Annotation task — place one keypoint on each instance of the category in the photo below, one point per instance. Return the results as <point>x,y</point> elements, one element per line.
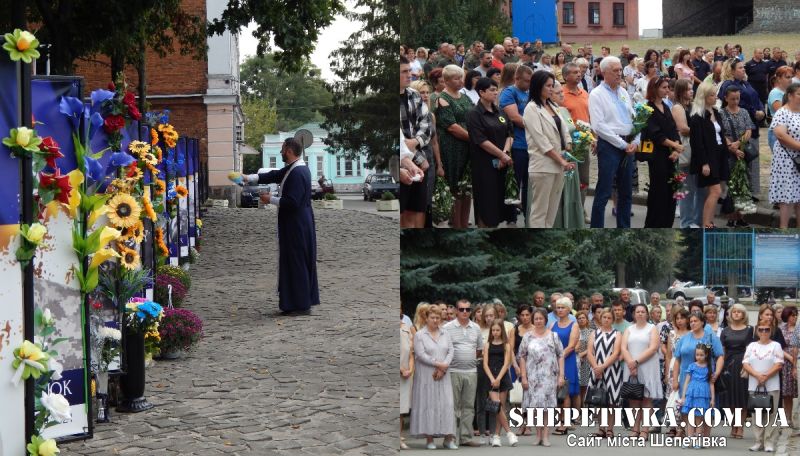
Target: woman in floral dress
<point>541,361</point>
<point>582,350</point>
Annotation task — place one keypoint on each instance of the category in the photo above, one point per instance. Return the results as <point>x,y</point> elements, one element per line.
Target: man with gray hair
<point>447,55</point>
<point>611,115</point>
<point>498,54</point>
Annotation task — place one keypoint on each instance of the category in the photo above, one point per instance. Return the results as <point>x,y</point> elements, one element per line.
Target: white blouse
<point>762,357</point>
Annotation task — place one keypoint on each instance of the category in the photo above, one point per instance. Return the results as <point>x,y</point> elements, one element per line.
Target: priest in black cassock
<point>297,239</point>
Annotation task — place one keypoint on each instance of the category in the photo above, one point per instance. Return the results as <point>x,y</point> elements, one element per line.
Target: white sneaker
<point>496,441</point>
<point>451,445</point>
<point>769,449</point>
<point>512,438</point>
<point>756,447</point>
<point>431,446</point>
<point>482,441</point>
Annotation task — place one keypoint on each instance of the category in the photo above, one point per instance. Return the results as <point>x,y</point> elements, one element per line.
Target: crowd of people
<point>463,366</point>
<point>472,116</point>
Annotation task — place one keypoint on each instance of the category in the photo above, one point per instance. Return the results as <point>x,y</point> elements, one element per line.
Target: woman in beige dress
<point>406,375</point>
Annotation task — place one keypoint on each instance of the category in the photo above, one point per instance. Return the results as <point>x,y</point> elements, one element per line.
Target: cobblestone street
<point>260,383</point>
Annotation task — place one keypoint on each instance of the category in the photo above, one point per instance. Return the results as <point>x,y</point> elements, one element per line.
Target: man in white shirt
<point>611,114</point>
<point>486,63</point>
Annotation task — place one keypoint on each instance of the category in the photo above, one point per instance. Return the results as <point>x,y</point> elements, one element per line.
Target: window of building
<point>348,167</point>
<point>338,167</point>
<point>358,167</point>
<point>273,162</point>
<point>594,13</point>
<point>320,162</point>
<point>569,13</point>
<point>619,14</point>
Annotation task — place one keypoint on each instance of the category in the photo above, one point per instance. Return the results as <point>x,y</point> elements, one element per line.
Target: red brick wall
<point>581,32</point>
<point>174,74</point>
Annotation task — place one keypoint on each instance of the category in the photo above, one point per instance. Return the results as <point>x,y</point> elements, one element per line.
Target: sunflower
<point>162,246</point>
<point>153,137</point>
<point>139,147</point>
<point>155,171</point>
<point>161,187</point>
<point>169,134</point>
<point>124,211</point>
<point>148,208</point>
<point>159,235</point>
<point>181,191</point>
<point>133,233</point>
<point>129,258</point>
<point>149,158</point>
<point>134,174</point>
<point>158,153</point>
<point>120,185</point>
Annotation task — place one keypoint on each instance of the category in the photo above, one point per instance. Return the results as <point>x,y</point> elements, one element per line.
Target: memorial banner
<point>183,202</point>
<point>777,260</point>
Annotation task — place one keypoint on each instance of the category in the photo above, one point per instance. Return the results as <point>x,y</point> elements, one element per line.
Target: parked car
<point>327,186</point>
<point>316,190</point>
<point>252,193</point>
<point>376,184</point>
<point>689,290</point>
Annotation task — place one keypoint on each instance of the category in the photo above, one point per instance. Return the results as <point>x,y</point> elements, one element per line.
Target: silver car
<point>638,295</point>
<point>689,290</point>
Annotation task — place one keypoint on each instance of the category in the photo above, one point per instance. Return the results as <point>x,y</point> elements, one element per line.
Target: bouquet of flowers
<point>678,182</point>
<point>641,114</point>
<point>141,316</point>
<point>109,341</point>
<point>739,189</point>
<point>442,201</point>
<point>179,330</point>
<point>582,140</point>
<point>512,189</point>
<point>465,184</point>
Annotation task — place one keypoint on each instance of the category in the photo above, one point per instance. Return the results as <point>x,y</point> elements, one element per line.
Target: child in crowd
<point>496,366</point>
<point>698,391</point>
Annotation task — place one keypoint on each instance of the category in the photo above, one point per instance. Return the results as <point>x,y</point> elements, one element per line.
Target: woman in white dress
<point>763,360</point>
<point>640,344</point>
<point>784,186</point>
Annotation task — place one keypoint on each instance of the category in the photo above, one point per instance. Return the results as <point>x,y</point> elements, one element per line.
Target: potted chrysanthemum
<point>388,202</point>
<point>180,329</point>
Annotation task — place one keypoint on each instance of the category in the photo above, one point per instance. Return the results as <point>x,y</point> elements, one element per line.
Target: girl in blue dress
<point>698,391</point>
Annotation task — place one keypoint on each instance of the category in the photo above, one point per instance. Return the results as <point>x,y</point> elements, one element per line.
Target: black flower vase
<point>132,383</point>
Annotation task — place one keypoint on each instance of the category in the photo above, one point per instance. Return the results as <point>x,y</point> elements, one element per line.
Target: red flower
<point>133,111</point>
<point>111,86</point>
<point>97,304</point>
<point>129,99</point>
<point>113,123</point>
<point>132,169</point>
<point>56,181</point>
<point>51,150</point>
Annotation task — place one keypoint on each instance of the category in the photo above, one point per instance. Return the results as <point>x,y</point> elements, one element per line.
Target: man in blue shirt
<point>513,100</point>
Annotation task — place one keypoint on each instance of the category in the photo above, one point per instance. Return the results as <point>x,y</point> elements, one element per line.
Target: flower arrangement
<point>641,114</point>
<point>180,329</point>
<point>38,361</point>
<point>177,272</point>
<point>512,189</point>
<point>109,341</point>
<point>739,189</point>
<point>582,140</point>
<point>164,283</point>
<point>32,237</point>
<point>442,200</point>
<point>142,316</point>
<point>194,255</point>
<point>678,182</point>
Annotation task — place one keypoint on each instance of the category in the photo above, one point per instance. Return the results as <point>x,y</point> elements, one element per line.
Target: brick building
<point>728,17</point>
<point>578,21</point>
<point>202,95</point>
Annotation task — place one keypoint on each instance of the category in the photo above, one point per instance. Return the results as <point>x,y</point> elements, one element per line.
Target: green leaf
<point>92,278</point>
<point>37,317</point>
<point>78,244</point>
<point>57,341</point>
<point>47,331</point>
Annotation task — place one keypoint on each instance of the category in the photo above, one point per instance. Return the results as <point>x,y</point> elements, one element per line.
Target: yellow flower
<point>36,233</point>
<point>75,180</point>
<point>153,137</point>
<point>124,211</point>
<point>158,152</point>
<point>161,187</point>
<point>95,214</point>
<point>155,171</point>
<point>137,232</point>
<point>109,234</point>
<point>198,222</point>
<point>32,352</point>
<point>48,448</point>
<point>181,191</point>
<point>132,306</point>
<point>139,147</point>
<point>148,209</point>
<point>149,158</point>
<point>102,256</point>
<point>130,258</point>
<point>24,136</point>
<point>134,175</point>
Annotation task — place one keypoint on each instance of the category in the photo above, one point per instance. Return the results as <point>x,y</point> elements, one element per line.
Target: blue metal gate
<point>532,19</point>
<point>728,257</point>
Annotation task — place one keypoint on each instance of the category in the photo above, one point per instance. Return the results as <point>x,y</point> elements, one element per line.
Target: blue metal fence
<point>728,258</point>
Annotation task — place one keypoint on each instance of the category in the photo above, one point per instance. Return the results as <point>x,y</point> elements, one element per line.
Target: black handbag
<point>597,396</point>
<point>492,406</point>
<point>759,398</point>
<point>562,392</point>
<point>724,379</point>
<point>632,389</point>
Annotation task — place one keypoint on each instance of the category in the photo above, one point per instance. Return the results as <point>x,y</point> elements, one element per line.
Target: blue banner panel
<point>12,397</point>
<point>777,260</point>
<point>183,203</point>
<point>535,19</point>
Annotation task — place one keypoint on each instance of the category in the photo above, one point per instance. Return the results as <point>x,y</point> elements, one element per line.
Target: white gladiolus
<point>109,333</point>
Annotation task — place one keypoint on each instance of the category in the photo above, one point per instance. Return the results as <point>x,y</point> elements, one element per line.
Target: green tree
<point>359,120</point>
<point>689,267</point>
<point>297,96</point>
<point>261,119</point>
<point>430,22</point>
<point>292,26</point>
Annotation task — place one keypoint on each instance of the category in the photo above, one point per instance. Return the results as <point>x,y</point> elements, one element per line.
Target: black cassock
<point>297,239</point>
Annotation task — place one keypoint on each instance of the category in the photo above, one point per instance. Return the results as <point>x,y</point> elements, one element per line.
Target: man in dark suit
<point>297,239</point>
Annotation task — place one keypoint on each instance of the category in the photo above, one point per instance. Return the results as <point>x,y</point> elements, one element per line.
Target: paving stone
<point>264,384</point>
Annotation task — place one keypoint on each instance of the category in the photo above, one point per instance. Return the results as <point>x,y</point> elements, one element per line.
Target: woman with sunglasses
<point>662,133</point>
<point>763,360</point>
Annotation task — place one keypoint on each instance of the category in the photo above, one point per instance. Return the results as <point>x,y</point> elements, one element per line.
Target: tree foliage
<point>293,26</point>
<point>430,22</point>
<point>690,266</point>
<point>261,119</point>
<point>359,120</point>
<point>296,96</point>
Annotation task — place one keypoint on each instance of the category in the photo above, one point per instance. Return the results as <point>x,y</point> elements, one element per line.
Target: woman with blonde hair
<point>432,153</point>
<point>496,364</point>
<point>605,345</point>
<point>735,338</point>
<point>569,334</point>
<point>710,149</point>
<point>421,315</point>
<point>507,75</point>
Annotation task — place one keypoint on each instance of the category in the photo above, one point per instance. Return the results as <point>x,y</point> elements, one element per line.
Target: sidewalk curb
<point>763,216</point>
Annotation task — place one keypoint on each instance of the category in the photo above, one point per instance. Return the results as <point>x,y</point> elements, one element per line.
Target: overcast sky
<point>649,15</point>
<point>329,40</point>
